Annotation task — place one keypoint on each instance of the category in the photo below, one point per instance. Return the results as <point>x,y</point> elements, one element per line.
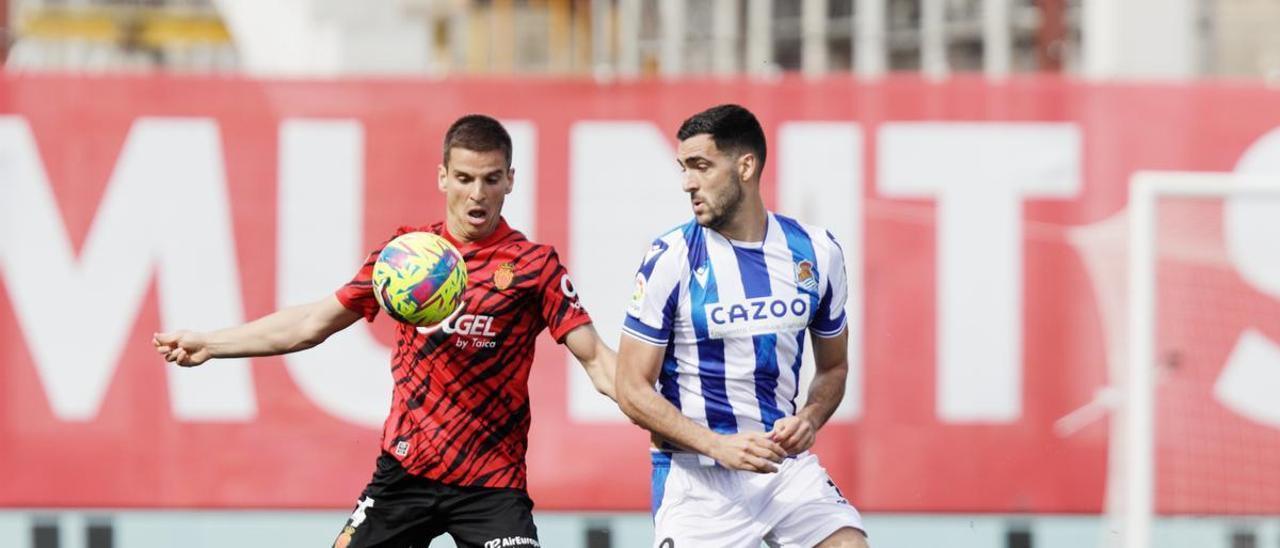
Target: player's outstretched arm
<point>638,367</point>
<point>281,332</point>
<point>831,359</point>
<point>596,357</point>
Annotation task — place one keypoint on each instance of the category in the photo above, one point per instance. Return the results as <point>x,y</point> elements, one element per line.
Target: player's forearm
<point>280,332</point>
<point>597,359</point>
<point>601,369</point>
<point>655,414</point>
<point>825,394</point>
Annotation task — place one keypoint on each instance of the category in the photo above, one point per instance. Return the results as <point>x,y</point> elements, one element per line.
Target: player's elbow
<point>607,389</point>
<point>628,396</point>
<point>293,341</point>
<point>626,404</point>
<point>308,334</point>
<point>605,384</point>
<point>310,340</point>
<point>838,368</point>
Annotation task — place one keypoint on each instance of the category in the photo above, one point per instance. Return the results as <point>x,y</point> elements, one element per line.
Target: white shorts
<point>696,505</point>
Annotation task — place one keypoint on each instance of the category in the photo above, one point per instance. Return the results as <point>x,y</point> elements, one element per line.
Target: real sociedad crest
<point>804,276</point>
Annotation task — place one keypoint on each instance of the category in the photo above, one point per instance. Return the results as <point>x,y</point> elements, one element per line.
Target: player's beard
<point>728,209</point>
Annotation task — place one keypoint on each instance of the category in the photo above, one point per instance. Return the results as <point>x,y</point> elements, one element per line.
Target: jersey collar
<point>499,232</point>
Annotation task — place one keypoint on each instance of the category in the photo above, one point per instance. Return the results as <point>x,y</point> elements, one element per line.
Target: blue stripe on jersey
<point>669,311</point>
<point>668,377</point>
<point>755,282</point>
<point>801,250</point>
<point>702,291</point>
<point>661,468</point>
<point>823,324</point>
<point>755,275</point>
<point>795,369</point>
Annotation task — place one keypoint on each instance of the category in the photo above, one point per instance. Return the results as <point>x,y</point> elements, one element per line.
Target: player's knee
<point>845,537</point>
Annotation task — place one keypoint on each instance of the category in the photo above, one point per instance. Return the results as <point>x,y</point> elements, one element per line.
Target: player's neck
<point>749,224</point>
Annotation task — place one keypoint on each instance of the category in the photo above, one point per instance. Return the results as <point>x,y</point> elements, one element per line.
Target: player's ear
<point>442,174</point>
<point>747,166</point>
<point>511,179</point>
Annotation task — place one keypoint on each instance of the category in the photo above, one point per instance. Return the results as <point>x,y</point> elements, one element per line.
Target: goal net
<point>1196,434</point>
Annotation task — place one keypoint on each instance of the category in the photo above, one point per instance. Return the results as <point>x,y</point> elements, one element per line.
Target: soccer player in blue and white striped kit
<point>710,357</point>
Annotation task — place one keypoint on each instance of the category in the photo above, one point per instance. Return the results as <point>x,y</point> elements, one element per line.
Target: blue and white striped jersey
<point>732,317</point>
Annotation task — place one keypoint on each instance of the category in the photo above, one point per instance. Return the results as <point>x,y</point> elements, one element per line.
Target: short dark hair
<point>479,133</point>
<point>732,127</point>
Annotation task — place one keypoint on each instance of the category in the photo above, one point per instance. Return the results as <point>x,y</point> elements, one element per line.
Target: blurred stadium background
<point>1032,363</point>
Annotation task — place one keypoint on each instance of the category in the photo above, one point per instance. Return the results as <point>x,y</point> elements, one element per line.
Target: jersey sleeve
<point>561,309</point>
<point>357,294</point>
<point>829,320</point>
<point>655,299</point>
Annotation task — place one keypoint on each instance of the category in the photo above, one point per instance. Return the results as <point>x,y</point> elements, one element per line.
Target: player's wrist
<point>711,444</point>
<point>808,415</point>
<point>213,345</point>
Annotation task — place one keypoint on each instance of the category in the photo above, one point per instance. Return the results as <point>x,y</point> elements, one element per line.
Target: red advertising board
<point>131,204</point>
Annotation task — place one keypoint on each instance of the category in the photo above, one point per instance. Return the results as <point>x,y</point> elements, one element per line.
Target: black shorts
<point>401,510</point>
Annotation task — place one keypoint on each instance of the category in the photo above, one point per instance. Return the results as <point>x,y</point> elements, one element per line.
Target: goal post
<point>1131,502</point>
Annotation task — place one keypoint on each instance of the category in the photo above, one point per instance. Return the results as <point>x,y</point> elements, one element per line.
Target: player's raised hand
<point>795,434</point>
<point>750,451</point>
<point>185,348</point>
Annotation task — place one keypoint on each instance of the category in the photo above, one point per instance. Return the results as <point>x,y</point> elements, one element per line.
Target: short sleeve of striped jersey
<point>357,294</point>
<point>830,320</point>
<point>652,309</point>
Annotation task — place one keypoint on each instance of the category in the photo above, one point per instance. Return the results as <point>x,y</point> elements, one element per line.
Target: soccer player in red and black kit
<point>453,446</point>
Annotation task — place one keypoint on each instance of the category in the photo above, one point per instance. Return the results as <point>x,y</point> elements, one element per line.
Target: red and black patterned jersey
<point>460,408</point>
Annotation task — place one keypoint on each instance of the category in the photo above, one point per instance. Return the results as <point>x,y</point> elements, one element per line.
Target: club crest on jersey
<point>805,277</point>
<point>504,275</point>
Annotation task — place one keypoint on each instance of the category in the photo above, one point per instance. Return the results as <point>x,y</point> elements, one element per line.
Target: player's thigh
<point>394,510</point>
<point>807,508</point>
<point>484,518</point>
<point>827,528</point>
<point>687,531</point>
<point>699,506</point>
